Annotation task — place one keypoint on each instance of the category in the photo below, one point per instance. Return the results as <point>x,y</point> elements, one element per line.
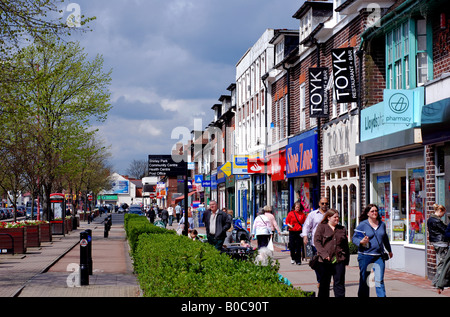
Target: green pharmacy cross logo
<point>398,103</point>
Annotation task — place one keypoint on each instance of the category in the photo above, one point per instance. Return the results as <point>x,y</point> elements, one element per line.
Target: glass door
<point>416,211</point>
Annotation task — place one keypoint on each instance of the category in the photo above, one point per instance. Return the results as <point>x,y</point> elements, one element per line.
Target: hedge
<point>168,265</point>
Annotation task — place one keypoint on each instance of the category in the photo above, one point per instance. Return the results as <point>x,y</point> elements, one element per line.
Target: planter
<point>46,232</point>
<point>58,227</point>
<point>68,225</point>
<point>33,236</point>
<point>19,235</point>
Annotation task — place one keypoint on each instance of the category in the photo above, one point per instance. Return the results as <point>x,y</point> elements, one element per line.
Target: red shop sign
<point>276,166</point>
<point>256,166</point>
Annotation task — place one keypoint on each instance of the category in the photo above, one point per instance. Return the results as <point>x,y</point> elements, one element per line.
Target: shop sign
<point>301,157</point>
<point>240,164</point>
<point>256,166</point>
<point>318,99</point>
<point>380,119</point>
<point>214,181</point>
<point>226,168</point>
<point>276,166</point>
<point>344,75</point>
<point>339,144</point>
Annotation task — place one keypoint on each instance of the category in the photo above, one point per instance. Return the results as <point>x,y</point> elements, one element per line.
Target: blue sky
<point>171,61</point>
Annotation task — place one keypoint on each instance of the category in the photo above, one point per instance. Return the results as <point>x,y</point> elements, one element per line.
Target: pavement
<point>49,270</point>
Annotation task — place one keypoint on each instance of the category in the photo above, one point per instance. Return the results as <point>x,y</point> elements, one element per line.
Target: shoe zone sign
<point>301,157</point>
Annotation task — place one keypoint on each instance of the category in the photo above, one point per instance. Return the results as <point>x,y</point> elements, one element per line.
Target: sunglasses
<point>323,204</point>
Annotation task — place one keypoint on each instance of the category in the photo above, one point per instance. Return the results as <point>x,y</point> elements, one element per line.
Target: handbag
<point>314,262</point>
<point>270,245</point>
<point>384,254</point>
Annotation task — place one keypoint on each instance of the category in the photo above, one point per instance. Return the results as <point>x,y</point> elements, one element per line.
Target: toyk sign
<point>344,76</point>
<point>301,157</point>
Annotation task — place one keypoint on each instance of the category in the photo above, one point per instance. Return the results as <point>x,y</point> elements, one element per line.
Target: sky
<point>171,60</point>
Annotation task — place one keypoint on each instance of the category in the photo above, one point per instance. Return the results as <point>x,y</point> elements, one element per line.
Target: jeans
<point>367,263</point>
<point>217,243</point>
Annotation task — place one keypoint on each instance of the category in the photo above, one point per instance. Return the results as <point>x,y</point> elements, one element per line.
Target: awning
<point>180,198</point>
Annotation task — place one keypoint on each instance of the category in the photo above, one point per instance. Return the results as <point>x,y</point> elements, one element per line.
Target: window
<point>305,25</point>
<point>279,51</point>
<point>302,107</point>
<point>410,40</point>
<point>282,119</point>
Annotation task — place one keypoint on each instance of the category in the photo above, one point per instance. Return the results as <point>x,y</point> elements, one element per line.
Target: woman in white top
<point>262,229</point>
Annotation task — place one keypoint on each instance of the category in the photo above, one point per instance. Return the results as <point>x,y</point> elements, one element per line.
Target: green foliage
<point>136,225</point>
<point>353,248</point>
<point>169,265</point>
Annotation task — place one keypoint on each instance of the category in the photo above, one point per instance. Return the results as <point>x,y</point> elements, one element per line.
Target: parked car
<point>134,209</point>
<point>3,214</point>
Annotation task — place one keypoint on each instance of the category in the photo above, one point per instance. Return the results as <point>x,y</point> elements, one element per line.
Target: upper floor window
<point>407,58</point>
<point>279,52</point>
<point>305,25</point>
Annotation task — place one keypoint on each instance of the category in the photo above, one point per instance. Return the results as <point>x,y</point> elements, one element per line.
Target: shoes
<point>299,263</point>
<point>292,262</point>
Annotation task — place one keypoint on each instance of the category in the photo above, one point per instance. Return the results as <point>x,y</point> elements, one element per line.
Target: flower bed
<point>46,231</point>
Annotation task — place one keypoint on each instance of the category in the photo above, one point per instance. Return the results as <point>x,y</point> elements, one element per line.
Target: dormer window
<point>305,25</point>
<point>279,52</point>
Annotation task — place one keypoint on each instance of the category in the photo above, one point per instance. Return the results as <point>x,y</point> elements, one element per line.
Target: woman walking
<point>371,238</point>
<point>295,220</point>
<point>436,231</point>
<point>262,229</point>
<point>331,243</point>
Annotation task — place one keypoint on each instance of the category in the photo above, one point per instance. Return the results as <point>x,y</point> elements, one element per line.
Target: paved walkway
<point>398,284</point>
<point>47,271</point>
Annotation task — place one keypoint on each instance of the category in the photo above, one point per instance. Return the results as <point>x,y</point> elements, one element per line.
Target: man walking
<point>217,223</point>
<point>311,223</point>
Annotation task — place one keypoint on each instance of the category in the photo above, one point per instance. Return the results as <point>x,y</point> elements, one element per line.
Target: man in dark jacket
<point>217,223</point>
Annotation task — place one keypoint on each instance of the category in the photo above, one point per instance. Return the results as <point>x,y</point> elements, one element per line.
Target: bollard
<point>84,266</point>
<point>110,221</point>
<point>89,232</point>
<point>105,233</point>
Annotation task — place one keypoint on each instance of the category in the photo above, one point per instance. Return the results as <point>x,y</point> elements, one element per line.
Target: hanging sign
<point>344,75</point>
<point>318,99</point>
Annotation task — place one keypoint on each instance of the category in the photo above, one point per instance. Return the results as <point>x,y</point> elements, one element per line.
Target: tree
<point>60,93</point>
<point>28,20</point>
<point>137,169</point>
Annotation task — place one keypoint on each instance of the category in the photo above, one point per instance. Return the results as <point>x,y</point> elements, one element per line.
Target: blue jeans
<point>367,263</point>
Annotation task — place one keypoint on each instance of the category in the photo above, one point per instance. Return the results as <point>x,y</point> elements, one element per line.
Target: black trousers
<point>328,270</point>
<point>295,246</point>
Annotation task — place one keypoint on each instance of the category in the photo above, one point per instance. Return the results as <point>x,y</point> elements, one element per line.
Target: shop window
<point>381,196</point>
<point>416,197</point>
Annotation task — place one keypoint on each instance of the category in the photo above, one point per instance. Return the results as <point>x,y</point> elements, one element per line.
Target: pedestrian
<point>190,219</point>
<point>436,232</point>
<point>216,223</point>
<point>371,238</point>
<point>313,219</point>
<point>151,214</point>
<point>171,212</point>
<point>178,212</point>
<point>272,221</point>
<point>331,243</point>
<point>262,229</point>
<point>294,221</point>
<point>164,216</point>
<point>229,237</point>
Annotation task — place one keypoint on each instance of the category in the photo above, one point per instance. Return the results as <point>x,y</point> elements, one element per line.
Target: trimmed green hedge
<point>168,265</point>
<point>136,225</point>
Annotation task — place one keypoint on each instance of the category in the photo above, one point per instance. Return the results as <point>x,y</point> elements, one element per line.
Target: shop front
<point>394,178</point>
<point>302,170</point>
<point>436,138</point>
<point>341,166</point>
<point>279,189</point>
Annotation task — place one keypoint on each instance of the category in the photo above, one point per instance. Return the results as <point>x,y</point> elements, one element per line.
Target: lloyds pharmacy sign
<point>400,110</point>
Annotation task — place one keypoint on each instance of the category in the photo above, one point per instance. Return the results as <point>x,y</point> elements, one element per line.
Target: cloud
<point>171,61</point>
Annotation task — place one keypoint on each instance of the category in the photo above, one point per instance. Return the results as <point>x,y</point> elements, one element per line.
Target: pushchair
<point>239,235</point>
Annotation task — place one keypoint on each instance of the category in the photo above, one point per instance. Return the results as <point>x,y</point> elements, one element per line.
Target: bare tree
<point>137,169</point>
